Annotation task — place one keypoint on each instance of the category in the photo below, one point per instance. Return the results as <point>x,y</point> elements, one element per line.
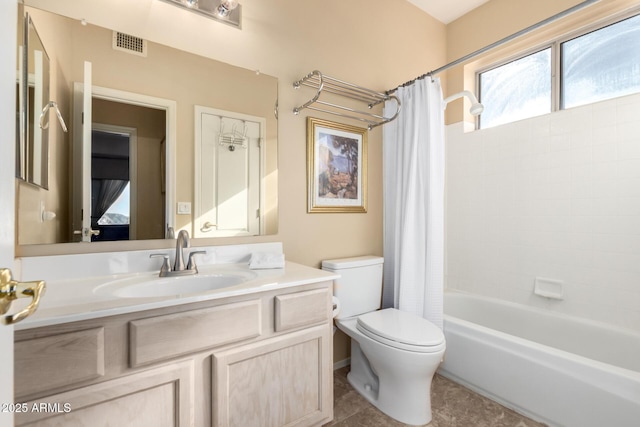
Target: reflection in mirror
<point>155,72</point>
<point>229,165</point>
<point>32,149</point>
<point>127,196</point>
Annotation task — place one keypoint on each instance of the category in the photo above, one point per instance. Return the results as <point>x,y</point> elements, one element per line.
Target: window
<point>516,90</point>
<point>119,212</point>
<point>601,64</point>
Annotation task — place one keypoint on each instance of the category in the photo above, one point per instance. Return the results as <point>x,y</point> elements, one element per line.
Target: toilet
<point>394,354</point>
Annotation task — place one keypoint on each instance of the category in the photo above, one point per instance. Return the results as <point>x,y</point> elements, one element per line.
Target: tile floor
<point>452,406</point>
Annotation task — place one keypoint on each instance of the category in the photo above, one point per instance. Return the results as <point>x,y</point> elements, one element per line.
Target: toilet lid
<point>400,329</point>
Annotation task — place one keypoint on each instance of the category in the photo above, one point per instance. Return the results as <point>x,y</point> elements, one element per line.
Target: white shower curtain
<point>413,158</point>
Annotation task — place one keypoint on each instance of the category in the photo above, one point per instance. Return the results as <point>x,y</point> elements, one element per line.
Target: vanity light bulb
<point>190,3</point>
<point>226,6</point>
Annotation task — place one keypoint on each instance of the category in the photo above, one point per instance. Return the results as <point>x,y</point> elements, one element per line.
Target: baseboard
<point>342,364</point>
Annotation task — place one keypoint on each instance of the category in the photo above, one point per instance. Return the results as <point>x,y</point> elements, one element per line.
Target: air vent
<point>131,44</point>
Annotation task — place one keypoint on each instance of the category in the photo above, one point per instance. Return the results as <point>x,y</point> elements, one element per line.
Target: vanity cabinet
<point>156,397</point>
<point>263,359</point>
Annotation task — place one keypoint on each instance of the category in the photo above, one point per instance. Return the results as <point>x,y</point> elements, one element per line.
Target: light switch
<point>184,208</point>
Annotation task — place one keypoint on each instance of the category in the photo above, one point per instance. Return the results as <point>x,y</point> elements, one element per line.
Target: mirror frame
<point>25,162</point>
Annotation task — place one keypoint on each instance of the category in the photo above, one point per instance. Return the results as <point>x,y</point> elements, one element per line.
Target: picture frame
<point>336,167</point>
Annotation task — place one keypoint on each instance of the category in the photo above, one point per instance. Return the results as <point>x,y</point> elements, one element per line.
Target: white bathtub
<point>556,369</point>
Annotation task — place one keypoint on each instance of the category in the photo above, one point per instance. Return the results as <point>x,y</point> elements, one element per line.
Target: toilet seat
<point>402,330</point>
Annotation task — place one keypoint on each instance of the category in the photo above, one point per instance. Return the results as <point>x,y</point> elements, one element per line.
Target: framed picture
<point>336,167</point>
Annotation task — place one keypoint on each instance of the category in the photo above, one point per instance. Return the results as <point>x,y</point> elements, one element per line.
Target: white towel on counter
<point>261,260</point>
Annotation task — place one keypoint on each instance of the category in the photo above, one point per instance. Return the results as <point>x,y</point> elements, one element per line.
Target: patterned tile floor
<point>452,406</point>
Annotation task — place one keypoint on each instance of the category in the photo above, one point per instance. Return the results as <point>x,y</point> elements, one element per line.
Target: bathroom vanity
<point>258,353</point>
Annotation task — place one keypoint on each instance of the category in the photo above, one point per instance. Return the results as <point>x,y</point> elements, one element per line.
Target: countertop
<point>73,300</point>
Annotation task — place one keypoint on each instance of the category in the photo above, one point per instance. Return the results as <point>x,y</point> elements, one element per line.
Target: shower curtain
<point>413,158</point>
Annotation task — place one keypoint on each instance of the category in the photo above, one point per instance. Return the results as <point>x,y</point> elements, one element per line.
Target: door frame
<point>8,43</point>
<point>199,110</point>
<point>170,107</point>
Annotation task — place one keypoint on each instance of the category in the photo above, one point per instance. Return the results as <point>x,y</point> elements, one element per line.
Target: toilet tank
<point>359,288</point>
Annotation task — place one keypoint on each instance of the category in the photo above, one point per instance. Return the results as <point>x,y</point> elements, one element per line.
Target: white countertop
<point>72,300</point>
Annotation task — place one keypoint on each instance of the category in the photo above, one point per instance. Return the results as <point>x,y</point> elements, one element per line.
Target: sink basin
<point>146,286</point>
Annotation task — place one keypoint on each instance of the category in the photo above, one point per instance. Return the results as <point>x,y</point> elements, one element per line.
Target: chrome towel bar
<point>323,83</point>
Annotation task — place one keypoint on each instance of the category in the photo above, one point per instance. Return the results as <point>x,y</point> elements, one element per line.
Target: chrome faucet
<point>179,268</point>
<point>181,242</point>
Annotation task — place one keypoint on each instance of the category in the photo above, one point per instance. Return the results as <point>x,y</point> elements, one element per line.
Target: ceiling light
<point>226,11</point>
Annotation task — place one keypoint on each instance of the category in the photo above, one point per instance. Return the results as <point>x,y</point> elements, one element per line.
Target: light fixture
<point>225,11</point>
<point>225,8</point>
<point>476,107</point>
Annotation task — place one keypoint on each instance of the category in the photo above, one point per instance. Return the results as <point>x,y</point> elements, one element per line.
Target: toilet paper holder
<point>335,304</point>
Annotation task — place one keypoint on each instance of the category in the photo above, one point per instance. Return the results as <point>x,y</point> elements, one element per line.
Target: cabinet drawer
<point>302,309</point>
<point>163,337</point>
<point>58,360</point>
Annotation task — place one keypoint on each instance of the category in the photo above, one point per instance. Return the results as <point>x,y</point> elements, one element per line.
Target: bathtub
<point>556,369</point>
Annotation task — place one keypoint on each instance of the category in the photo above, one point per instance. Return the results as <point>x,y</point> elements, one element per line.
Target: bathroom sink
<point>145,286</point>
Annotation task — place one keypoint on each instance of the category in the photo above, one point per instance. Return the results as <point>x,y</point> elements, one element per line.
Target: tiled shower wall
<point>556,196</point>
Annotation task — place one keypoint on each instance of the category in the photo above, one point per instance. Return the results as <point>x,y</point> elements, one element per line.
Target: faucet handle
<point>192,262</point>
<point>166,267</point>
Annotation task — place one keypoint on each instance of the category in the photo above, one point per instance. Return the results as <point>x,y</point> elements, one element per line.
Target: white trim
<point>170,106</point>
<point>8,43</point>
<point>86,152</point>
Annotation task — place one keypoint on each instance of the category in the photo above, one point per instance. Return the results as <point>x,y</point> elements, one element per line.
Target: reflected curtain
<point>413,147</point>
<point>103,194</point>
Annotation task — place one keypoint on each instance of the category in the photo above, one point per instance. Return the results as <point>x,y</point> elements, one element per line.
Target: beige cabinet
<point>263,359</point>
<point>157,397</point>
<point>277,382</point>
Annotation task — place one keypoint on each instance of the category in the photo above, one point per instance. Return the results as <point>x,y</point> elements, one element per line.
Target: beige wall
<point>358,41</point>
<point>31,228</point>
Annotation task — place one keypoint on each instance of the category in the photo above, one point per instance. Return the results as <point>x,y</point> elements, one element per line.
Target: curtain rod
<point>502,41</point>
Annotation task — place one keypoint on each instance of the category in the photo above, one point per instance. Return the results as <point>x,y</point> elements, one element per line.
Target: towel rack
<point>45,110</point>
<point>323,83</point>
<point>233,138</point>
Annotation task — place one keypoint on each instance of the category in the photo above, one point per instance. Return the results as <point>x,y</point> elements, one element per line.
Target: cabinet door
<point>282,381</point>
<point>157,397</point>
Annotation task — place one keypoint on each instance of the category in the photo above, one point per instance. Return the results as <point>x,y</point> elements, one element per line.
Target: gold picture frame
<point>336,167</point>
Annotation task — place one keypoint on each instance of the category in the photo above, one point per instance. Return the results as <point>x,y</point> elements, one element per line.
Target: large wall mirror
<point>158,140</point>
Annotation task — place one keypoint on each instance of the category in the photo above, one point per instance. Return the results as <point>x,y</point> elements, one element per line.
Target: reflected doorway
<point>113,176</point>
<point>127,146</point>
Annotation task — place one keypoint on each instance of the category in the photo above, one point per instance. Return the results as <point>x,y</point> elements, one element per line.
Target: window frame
<point>512,58</point>
<point>556,63</point>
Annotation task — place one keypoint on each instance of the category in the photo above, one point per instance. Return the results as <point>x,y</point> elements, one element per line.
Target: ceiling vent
<point>131,44</point>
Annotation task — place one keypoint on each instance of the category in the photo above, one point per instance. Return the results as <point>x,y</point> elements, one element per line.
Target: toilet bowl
<point>394,354</point>
<point>395,376</point>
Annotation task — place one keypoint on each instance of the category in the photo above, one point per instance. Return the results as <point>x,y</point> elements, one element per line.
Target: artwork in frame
<point>336,167</point>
